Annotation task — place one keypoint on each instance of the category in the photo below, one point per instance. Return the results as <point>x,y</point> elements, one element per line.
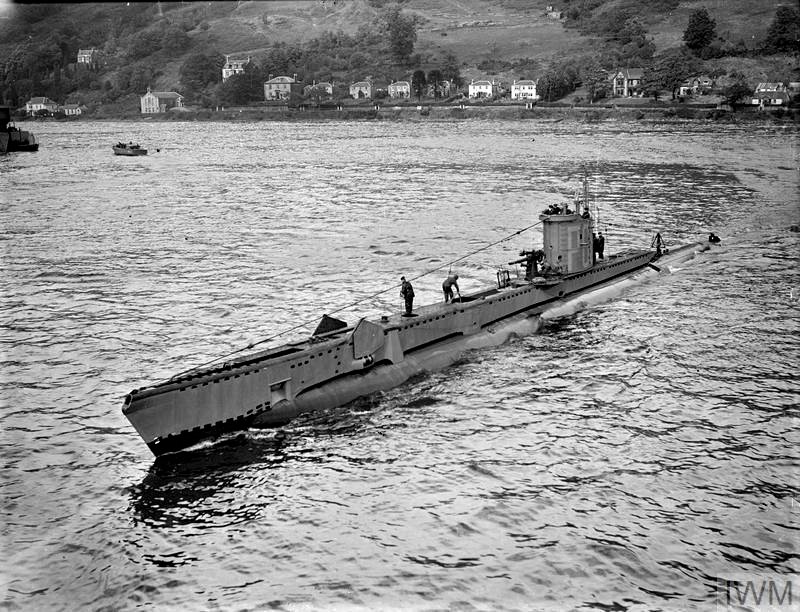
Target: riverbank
<point>421,113</point>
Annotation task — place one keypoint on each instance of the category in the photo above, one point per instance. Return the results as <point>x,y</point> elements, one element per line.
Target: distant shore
<point>426,112</point>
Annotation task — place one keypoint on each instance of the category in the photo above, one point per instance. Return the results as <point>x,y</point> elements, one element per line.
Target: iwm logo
<point>757,593</point>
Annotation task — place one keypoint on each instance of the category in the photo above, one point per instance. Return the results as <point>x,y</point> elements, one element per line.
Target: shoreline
<point>423,112</point>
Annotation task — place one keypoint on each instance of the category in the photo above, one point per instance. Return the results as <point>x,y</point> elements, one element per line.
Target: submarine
<point>339,363</point>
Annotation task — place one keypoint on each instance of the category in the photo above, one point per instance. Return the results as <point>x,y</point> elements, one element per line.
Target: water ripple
<point>621,459</point>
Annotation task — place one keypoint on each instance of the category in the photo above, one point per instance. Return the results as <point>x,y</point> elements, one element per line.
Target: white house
<point>41,103</point>
<point>483,89</point>
<point>233,66</point>
<point>524,90</point>
<point>282,87</point>
<point>361,89</point>
<point>626,82</point>
<point>72,110</point>
<point>400,89</point>
<point>770,94</point>
<point>88,57</point>
<point>160,101</point>
<point>696,85</point>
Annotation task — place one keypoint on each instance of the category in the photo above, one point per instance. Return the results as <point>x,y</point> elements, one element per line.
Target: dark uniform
<point>407,293</point>
<point>601,244</point>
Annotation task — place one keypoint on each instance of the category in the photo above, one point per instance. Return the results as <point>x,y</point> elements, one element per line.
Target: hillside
<point>505,39</point>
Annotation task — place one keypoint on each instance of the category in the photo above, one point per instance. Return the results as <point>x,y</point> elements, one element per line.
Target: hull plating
<point>272,387</point>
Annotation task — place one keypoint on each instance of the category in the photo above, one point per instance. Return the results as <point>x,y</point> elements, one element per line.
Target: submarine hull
<point>272,387</point>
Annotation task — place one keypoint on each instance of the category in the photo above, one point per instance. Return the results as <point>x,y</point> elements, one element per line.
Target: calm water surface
<point>622,458</point>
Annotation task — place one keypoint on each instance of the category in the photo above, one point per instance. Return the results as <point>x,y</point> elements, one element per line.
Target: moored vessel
<point>12,138</point>
<point>339,362</point>
<point>129,149</point>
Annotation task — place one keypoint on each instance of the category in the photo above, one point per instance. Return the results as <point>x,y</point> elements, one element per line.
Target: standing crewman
<point>407,293</point>
<point>601,244</point>
<point>447,288</point>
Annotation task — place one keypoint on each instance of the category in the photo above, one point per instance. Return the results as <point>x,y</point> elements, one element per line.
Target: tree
<point>700,31</point>
<point>418,83</point>
<point>201,69</point>
<point>596,81</point>
<point>450,70</point>
<point>402,32</point>
<point>141,77</point>
<point>783,35</point>
<point>435,79</point>
<point>670,70</point>
<point>651,85</point>
<point>550,86</point>
<point>358,60</point>
<point>635,46</point>
<point>174,39</point>
<point>736,92</point>
<point>243,88</point>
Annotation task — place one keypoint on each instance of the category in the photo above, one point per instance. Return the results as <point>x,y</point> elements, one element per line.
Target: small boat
<point>128,149</point>
<point>339,363</point>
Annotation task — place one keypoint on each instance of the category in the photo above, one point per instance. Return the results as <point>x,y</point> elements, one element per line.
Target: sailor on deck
<point>447,288</point>
<point>407,293</point>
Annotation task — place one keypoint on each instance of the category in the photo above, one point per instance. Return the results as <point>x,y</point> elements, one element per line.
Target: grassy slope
<point>473,30</point>
<point>476,30</point>
<point>735,20</point>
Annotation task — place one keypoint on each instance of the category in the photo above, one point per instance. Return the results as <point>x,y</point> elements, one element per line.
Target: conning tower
<point>567,236</point>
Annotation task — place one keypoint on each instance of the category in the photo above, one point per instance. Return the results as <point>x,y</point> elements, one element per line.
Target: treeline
<point>628,45</point>
<point>382,51</point>
<point>132,39</point>
<point>137,41</point>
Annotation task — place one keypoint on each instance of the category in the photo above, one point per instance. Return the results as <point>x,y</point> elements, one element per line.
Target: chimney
<point>269,78</point>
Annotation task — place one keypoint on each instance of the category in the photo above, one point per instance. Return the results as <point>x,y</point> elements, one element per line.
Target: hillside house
<point>483,89</point>
<point>361,89</point>
<point>72,110</point>
<point>524,90</point>
<point>160,101</point>
<point>626,82</point>
<point>552,12</point>
<point>770,94</point>
<point>399,89</point>
<point>233,66</point>
<point>700,85</point>
<point>282,88</point>
<point>89,58</point>
<point>34,105</point>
